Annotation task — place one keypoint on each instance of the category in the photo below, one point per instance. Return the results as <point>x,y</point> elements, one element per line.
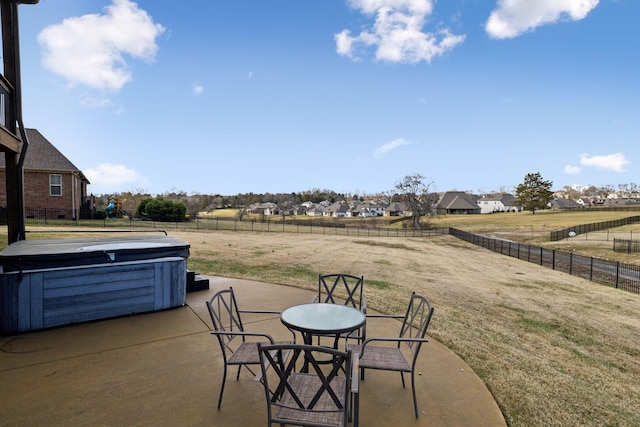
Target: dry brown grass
<point>552,348</point>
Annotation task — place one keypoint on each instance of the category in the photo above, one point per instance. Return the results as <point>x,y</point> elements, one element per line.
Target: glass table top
<point>323,318</point>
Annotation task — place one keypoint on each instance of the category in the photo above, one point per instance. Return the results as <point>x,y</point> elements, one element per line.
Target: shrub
<point>159,209</point>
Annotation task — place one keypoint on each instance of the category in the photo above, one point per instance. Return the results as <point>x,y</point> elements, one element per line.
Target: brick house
<point>53,186</point>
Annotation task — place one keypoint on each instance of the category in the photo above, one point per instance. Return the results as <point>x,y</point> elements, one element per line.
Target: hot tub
<point>47,283</point>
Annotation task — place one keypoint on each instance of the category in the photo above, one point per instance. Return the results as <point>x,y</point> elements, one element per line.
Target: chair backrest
<point>416,321</point>
<point>225,316</point>
<point>318,397</point>
<point>330,285</point>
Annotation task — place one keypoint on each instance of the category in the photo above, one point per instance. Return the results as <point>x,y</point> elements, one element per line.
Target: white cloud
<point>613,162</point>
<point>90,50</point>
<point>514,17</point>
<point>383,149</point>
<point>109,177</point>
<point>397,34</point>
<point>572,170</point>
<point>197,89</point>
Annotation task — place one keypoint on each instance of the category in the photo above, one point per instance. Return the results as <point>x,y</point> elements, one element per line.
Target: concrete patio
<point>165,368</point>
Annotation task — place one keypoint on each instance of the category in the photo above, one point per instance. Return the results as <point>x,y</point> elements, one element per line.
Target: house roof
<point>457,200</point>
<point>506,199</point>
<point>564,204</point>
<point>338,207</point>
<point>42,155</point>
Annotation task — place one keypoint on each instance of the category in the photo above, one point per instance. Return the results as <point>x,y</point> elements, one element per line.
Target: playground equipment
<point>114,208</point>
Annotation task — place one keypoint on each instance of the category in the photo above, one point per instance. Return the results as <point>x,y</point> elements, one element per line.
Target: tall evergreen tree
<point>534,193</point>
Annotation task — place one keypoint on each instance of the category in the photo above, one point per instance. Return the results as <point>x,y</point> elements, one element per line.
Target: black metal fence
<point>611,273</point>
<point>626,246</point>
<point>45,215</point>
<point>586,228</point>
<point>258,225</point>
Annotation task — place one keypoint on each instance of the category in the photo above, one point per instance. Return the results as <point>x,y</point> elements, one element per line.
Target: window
<point>3,106</point>
<point>55,185</point>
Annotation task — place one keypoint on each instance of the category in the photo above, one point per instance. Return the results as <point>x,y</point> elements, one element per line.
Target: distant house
<point>267,208</point>
<point>622,201</point>
<point>500,203</point>
<point>337,209</point>
<point>366,210</point>
<point>53,185</point>
<point>315,210</point>
<point>564,204</point>
<point>299,210</point>
<point>457,202</point>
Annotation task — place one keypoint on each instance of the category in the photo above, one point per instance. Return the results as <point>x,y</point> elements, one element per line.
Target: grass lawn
<point>552,348</point>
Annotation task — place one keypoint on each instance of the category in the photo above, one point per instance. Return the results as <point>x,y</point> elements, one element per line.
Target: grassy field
<point>552,348</point>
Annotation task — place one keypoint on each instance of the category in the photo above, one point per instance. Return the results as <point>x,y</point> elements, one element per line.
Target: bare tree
<point>415,193</point>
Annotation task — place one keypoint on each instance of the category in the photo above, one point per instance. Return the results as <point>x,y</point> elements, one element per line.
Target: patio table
<point>321,319</point>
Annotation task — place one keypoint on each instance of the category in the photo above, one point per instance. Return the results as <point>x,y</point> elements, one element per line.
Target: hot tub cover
<point>28,255</point>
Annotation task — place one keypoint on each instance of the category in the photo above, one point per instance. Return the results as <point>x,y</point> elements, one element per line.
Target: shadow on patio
<point>165,368</point>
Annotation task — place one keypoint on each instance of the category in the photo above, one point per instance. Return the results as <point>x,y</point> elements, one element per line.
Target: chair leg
<point>224,378</point>
<point>402,376</point>
<point>413,388</point>
<point>354,406</point>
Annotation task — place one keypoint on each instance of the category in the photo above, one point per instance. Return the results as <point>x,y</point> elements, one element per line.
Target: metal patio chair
<point>238,346</point>
<point>330,289</point>
<point>402,356</point>
<point>320,397</point>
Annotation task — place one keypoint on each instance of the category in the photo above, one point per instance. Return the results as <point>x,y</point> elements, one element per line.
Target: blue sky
<point>237,96</point>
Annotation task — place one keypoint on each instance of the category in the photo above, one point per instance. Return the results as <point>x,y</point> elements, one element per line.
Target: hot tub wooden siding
<point>39,299</point>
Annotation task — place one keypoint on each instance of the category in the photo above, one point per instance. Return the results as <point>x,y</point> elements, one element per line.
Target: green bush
<point>159,209</point>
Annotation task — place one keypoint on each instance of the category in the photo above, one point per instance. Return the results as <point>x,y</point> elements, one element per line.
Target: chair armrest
<point>260,312</point>
<point>244,334</point>
<point>385,316</point>
<point>389,339</point>
<point>355,372</point>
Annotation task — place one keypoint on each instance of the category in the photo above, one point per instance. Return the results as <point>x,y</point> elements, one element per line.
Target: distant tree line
<point>404,190</point>
<point>196,203</point>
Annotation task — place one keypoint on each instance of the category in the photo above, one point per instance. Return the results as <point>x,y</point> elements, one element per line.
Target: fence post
<point>553,259</point>
<point>571,263</point>
<point>591,270</point>
<point>540,255</point>
<point>617,273</point>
